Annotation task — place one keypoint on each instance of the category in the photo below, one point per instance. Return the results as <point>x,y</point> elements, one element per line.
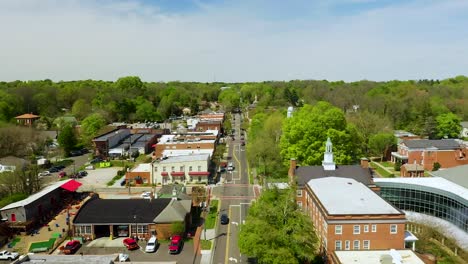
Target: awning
<point>177,173</point>
<point>71,185</point>
<point>199,173</point>
<point>164,173</point>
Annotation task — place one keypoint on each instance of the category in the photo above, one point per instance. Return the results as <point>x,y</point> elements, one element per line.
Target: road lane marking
<point>226,259</point>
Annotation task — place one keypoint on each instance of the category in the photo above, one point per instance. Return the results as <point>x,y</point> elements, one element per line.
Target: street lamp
<point>136,227</point>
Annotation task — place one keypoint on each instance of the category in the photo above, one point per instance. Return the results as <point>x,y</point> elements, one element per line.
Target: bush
<point>205,244</point>
<point>436,166</point>
<point>397,165</point>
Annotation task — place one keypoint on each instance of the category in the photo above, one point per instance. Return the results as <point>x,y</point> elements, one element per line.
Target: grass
<point>205,244</point>
<point>42,244</point>
<point>381,172</point>
<point>116,178</point>
<point>387,164</point>
<point>211,217</point>
<point>14,241</point>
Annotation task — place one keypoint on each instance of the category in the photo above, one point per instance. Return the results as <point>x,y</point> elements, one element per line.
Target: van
<point>230,166</point>
<point>152,244</point>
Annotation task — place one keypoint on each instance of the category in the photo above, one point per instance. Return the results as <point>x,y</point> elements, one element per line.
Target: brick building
<point>347,215</point>
<point>447,152</point>
<point>184,143</point>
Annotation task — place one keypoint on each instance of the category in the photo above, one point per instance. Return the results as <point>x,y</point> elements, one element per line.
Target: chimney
<point>292,170</point>
<point>364,163</point>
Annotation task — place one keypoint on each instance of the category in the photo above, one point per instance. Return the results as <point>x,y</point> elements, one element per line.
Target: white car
<point>44,173</point>
<point>152,244</point>
<point>146,195</point>
<point>8,255</point>
<point>123,257</point>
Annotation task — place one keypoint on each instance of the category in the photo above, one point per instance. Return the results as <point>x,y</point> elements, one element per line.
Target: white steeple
<point>328,163</point>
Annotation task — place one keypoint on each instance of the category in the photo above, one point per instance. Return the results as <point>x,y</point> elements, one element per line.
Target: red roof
<point>177,173</point>
<point>164,173</point>
<point>27,116</point>
<point>202,173</point>
<point>71,185</point>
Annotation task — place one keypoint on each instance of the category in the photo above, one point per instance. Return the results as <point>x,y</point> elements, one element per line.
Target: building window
<point>83,230</point>
<point>366,244</point>
<point>190,168</point>
<point>141,229</point>
<point>347,245</point>
<point>393,229</point>
<point>338,230</point>
<point>356,245</point>
<point>181,168</point>
<point>172,168</point>
<point>155,169</point>
<point>366,228</point>
<point>299,204</point>
<point>164,169</point>
<point>338,245</point>
<point>374,228</point>
<point>199,168</point>
<point>299,193</point>
<point>356,229</point>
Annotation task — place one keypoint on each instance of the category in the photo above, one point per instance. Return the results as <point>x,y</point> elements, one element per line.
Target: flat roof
<point>35,196</point>
<point>374,256</point>
<point>431,182</point>
<point>64,259</point>
<point>184,152</point>
<point>143,167</point>
<point>342,196</point>
<point>183,158</point>
<point>111,133</point>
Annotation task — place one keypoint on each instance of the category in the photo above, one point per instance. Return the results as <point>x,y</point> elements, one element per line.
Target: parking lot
<point>103,246</point>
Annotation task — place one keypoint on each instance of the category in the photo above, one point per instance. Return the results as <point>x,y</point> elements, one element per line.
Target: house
<point>391,256</point>
<point>182,169</point>
<point>12,163</point>
<point>412,170</point>
<point>140,218</point>
<point>140,174</point>
<point>301,175</point>
<point>447,152</point>
<point>464,131</point>
<point>347,215</point>
<point>39,207</point>
<point>26,119</point>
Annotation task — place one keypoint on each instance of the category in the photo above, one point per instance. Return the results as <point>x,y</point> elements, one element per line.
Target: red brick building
<point>447,152</point>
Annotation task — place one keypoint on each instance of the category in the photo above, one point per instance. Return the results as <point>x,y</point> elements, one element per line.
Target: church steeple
<point>328,163</point>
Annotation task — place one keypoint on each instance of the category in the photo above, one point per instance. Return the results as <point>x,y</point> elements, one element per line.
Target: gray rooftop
<point>183,158</point>
<point>175,211</point>
<point>431,143</point>
<point>306,173</point>
<point>464,124</point>
<point>458,175</point>
<point>345,196</point>
<point>111,134</point>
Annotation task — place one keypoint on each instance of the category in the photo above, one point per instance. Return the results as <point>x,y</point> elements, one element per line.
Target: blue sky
<point>233,41</point>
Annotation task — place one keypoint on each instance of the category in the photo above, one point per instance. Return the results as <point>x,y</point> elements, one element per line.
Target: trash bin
<point>63,230</point>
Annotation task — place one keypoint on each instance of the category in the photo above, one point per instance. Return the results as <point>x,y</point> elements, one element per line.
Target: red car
<point>176,244</point>
<point>71,247</point>
<point>130,243</point>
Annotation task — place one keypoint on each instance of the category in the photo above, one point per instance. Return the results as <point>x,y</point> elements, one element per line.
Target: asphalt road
<point>235,196</point>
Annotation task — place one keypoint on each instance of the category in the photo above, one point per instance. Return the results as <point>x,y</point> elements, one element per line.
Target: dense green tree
<point>380,143</point>
<point>448,125</point>
<point>67,139</point>
<point>277,231</point>
<point>81,109</point>
<point>229,98</point>
<point>305,133</point>
<point>90,126</point>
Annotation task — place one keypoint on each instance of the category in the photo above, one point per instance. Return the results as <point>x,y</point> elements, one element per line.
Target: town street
<point>235,196</point>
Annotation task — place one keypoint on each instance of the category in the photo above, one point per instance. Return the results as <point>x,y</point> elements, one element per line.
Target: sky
<point>233,40</point>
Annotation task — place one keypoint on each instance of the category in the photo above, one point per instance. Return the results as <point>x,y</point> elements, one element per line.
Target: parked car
<point>84,151</point>
<point>75,153</point>
<point>176,244</point>
<point>224,219</point>
<point>62,174</point>
<point>123,182</point>
<point>8,255</point>
<point>152,244</point>
<point>54,169</point>
<point>123,257</point>
<point>71,247</point>
<point>44,173</point>
<point>60,167</point>
<point>130,243</point>
<point>83,173</point>
<point>146,195</point>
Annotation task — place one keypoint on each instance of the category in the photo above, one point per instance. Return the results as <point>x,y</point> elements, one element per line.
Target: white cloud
<point>72,39</point>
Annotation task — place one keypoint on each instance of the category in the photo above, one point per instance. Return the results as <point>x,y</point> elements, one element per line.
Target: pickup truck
<point>71,247</point>
<point>8,255</point>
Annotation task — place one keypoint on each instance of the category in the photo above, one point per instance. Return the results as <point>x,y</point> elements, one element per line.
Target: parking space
<point>103,246</point>
<point>98,178</point>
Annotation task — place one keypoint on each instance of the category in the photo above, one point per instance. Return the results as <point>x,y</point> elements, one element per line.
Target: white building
<point>182,169</point>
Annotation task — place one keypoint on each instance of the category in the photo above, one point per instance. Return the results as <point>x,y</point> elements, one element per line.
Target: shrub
<point>436,166</point>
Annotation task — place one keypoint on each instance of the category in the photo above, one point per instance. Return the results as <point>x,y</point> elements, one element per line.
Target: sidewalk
<point>207,254</point>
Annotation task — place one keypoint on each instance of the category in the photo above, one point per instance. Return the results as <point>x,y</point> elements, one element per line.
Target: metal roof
<point>432,143</point>
<point>458,175</point>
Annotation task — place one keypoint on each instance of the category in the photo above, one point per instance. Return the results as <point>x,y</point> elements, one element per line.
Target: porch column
<point>111,234</point>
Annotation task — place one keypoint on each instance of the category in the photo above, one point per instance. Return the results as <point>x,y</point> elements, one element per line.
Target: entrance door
<point>13,217</point>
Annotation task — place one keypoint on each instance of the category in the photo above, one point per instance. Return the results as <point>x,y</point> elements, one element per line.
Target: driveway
<point>104,245</point>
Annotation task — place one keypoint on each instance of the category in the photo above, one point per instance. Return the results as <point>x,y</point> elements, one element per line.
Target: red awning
<point>164,173</point>
<point>177,173</point>
<point>71,185</point>
<point>199,173</point>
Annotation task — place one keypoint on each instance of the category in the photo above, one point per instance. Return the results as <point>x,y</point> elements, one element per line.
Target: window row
<point>356,245</point>
<point>181,168</point>
<point>357,229</point>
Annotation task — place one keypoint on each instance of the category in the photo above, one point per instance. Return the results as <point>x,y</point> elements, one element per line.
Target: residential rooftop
<point>442,144</point>
<point>345,196</point>
<point>457,175</point>
<point>183,158</point>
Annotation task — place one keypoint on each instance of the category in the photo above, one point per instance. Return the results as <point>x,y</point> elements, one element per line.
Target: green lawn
<point>205,244</point>
<point>210,220</point>
<point>381,172</point>
<point>42,245</point>
<point>387,164</point>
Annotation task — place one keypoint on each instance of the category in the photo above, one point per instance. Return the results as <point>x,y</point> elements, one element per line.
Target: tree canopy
<point>276,231</point>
